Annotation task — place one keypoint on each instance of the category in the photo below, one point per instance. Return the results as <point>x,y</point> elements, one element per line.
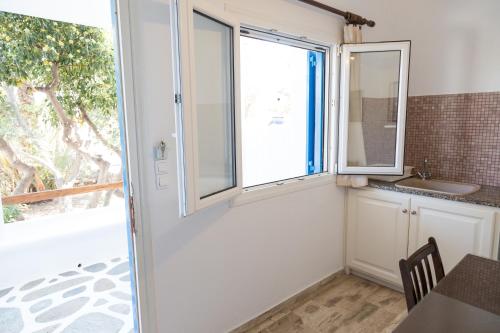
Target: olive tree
<point>72,65</point>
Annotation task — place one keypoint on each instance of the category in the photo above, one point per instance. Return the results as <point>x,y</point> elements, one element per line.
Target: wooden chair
<point>418,282</point>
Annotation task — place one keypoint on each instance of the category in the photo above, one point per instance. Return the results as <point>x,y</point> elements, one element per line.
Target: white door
<point>458,229</point>
<point>377,232</point>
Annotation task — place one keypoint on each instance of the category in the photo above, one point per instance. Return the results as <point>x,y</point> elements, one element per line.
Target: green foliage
<point>5,116</point>
<point>30,46</point>
<point>47,178</point>
<point>31,50</point>
<point>11,213</point>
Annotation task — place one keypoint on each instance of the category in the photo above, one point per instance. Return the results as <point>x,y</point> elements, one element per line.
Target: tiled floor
<point>346,304</point>
<point>91,299</point>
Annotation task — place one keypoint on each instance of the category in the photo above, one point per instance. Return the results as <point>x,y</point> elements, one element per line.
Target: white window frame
<point>191,200</point>
<point>346,50</point>
<point>282,187</point>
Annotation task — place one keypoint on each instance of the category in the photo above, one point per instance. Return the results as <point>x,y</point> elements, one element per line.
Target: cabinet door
<point>458,228</point>
<point>377,232</point>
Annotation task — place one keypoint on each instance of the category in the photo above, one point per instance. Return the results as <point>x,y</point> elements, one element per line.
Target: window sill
<point>281,188</point>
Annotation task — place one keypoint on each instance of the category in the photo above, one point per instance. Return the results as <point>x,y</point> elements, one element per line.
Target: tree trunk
<point>97,133</point>
<point>27,171</point>
<point>12,100</point>
<point>101,178</point>
<point>70,134</point>
<point>43,161</point>
<point>58,178</point>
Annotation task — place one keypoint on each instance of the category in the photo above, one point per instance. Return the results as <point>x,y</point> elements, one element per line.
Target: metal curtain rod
<point>351,18</point>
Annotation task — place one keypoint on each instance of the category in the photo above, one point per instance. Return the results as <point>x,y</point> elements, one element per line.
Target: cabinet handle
<point>405,210</point>
<point>413,212</point>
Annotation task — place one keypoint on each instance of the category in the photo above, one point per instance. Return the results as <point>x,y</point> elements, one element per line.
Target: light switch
<point>161,167</point>
<point>162,181</point>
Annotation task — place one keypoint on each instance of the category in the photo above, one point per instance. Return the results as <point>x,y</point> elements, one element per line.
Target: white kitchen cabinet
<point>457,227</point>
<point>377,232</point>
<point>385,226</point>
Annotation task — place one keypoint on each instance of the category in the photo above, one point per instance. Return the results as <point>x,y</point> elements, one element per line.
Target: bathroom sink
<point>438,186</point>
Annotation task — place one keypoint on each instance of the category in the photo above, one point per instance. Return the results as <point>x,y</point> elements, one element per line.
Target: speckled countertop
<point>486,196</point>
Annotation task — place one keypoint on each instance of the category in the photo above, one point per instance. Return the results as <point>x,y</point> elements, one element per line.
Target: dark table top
<point>475,281</point>
<point>465,300</point>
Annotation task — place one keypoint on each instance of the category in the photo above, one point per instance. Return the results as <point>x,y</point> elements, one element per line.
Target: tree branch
<point>54,84</point>
<point>59,181</point>
<point>98,134</point>
<point>70,135</point>
<point>12,100</point>
<point>27,171</point>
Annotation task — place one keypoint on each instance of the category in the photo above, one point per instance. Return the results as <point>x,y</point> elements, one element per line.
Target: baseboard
<point>290,303</point>
<point>376,280</point>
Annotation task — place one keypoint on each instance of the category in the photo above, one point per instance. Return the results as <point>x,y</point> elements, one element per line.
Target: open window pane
<point>208,112</point>
<point>373,91</point>
<point>373,108</point>
<point>214,105</point>
<point>282,92</point>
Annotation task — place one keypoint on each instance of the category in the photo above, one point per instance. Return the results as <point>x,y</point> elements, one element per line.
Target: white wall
<point>223,266</point>
<point>455,43</point>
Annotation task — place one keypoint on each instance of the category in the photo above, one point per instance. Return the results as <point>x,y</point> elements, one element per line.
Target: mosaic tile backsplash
<point>459,135</point>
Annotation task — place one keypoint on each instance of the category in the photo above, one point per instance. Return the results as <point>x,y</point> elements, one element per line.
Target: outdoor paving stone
<point>95,267</point>
<point>121,295</point>
<point>103,284</point>
<point>31,284</point>
<point>48,329</point>
<point>39,306</point>
<point>74,292</point>
<point>4,292</point>
<point>120,308</point>
<point>11,320</point>
<point>62,310</point>
<point>93,323</point>
<point>126,277</point>
<point>119,269</point>
<point>66,302</point>
<point>100,301</point>
<point>39,293</point>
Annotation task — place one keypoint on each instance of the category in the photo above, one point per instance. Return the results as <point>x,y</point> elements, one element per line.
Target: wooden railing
<point>63,192</point>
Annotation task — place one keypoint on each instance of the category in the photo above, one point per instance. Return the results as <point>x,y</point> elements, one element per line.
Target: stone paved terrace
<point>91,299</point>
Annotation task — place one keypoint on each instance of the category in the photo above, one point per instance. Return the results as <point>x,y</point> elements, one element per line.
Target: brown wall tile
<point>459,134</point>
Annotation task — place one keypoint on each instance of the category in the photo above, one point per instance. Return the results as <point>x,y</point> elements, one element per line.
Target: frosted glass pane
<point>214,104</point>
<point>373,108</point>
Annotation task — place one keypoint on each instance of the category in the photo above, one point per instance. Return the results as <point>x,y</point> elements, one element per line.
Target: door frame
<point>140,239</point>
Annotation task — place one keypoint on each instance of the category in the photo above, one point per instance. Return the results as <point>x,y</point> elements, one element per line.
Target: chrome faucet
<point>425,173</point>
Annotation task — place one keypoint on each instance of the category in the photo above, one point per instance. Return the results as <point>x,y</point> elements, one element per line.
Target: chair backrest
<point>417,281</point>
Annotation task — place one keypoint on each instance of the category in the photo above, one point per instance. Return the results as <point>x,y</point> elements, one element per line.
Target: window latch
<point>177,99</point>
<point>338,50</point>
